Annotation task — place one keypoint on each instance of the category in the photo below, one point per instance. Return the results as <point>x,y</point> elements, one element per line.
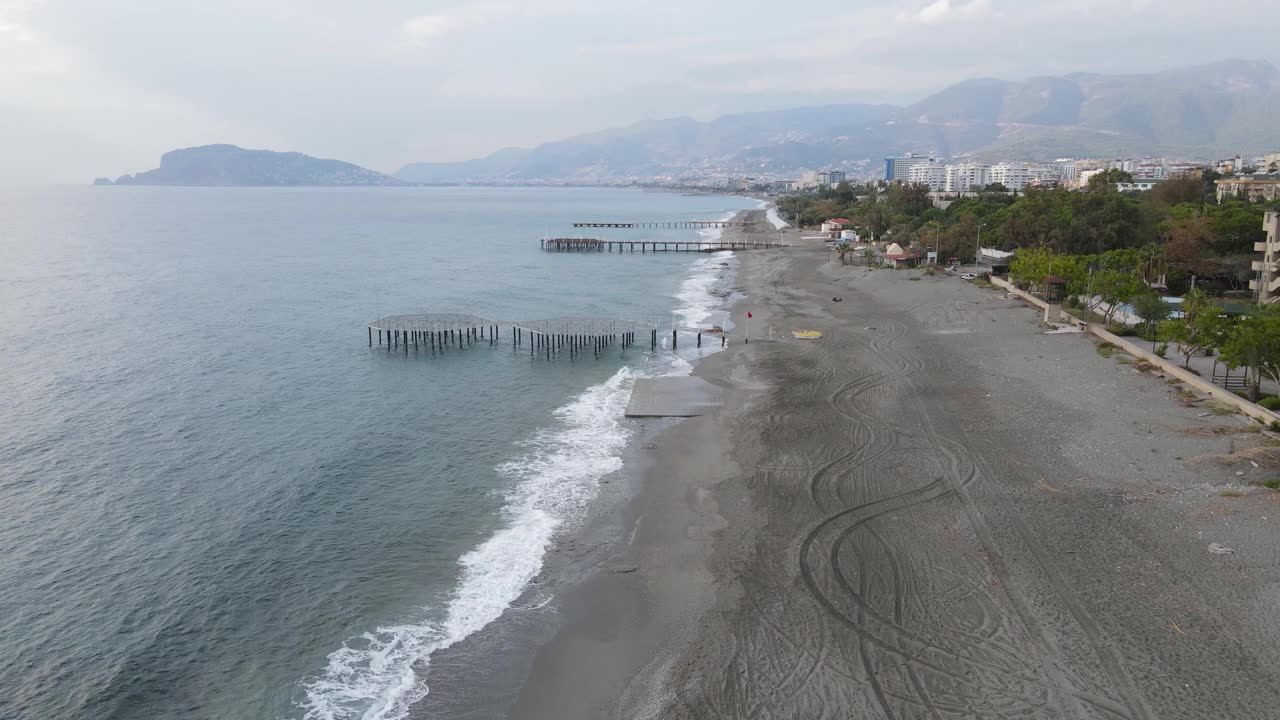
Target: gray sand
<point>934,511</point>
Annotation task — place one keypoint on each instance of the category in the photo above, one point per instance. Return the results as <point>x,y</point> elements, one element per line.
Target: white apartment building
<point>1014,177</point>
<point>1266,282</point>
<point>931,174</point>
<point>968,177</point>
<point>1068,171</point>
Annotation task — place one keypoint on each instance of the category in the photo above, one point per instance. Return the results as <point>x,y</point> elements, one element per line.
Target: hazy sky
<point>103,87</point>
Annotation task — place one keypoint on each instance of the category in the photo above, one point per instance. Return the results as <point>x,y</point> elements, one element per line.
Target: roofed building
<point>1252,187</point>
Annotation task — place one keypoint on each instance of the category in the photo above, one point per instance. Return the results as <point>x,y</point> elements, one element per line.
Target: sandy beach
<point>936,510</point>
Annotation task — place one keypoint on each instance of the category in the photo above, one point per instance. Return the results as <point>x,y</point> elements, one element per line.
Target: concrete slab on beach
<point>672,397</point>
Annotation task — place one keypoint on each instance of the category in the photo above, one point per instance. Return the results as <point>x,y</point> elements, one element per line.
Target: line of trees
<point>1199,237</point>
<point>1105,283</point>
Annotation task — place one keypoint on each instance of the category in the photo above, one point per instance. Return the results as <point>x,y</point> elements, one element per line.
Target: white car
<point>968,276</point>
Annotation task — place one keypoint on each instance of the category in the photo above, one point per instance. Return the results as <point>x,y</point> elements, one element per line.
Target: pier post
<point>406,342</point>
<point>415,341</point>
<point>699,339</point>
<point>370,337</point>
<point>673,339</point>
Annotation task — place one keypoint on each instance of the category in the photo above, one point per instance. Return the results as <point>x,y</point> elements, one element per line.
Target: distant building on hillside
<point>1260,186</point>
<point>1085,176</point>
<point>830,178</point>
<point>1139,184</point>
<point>1266,282</point>
<point>968,177</point>
<point>899,168</point>
<point>1269,163</point>
<point>1230,165</point>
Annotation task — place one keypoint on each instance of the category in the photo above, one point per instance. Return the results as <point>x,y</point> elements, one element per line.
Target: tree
<point>1114,288</point>
<point>1107,179</point>
<point>1151,308</point>
<point>995,187</point>
<point>868,256</point>
<point>875,217</point>
<point>1186,242</point>
<point>1254,344</point>
<point>844,249</point>
<point>1177,190</point>
<point>1200,328</point>
<point>844,193</point>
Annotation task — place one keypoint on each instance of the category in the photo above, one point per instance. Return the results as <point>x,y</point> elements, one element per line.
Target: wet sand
<point>934,511</point>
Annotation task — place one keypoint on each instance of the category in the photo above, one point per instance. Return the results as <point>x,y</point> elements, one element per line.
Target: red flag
<point>748,314</point>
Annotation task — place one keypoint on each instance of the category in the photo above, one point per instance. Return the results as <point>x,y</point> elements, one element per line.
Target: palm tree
<point>844,249</point>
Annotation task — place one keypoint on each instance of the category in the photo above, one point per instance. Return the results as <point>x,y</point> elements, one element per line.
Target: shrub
<point>1275,426</point>
<point>1123,330</point>
<point>1162,349</point>
<point>1270,402</point>
<point>1272,484</point>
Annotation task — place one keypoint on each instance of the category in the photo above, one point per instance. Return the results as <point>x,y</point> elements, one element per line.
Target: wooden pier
<point>438,333</point>
<point>647,246</point>
<point>668,224</point>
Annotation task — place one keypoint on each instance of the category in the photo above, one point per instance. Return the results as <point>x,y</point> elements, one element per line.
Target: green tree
<point>1254,343</point>
<point>1177,190</point>
<point>874,216</point>
<point>1151,308</point>
<point>844,193</point>
<point>1113,288</point>
<point>1200,328</point>
<point>1107,179</point>
<point>844,249</point>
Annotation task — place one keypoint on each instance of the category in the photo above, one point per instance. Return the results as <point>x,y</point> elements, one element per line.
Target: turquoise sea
<point>216,501</point>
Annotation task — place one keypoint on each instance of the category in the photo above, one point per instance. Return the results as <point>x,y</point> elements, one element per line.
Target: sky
<point>103,87</point>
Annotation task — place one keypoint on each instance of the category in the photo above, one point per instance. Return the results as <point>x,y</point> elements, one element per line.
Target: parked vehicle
<point>968,276</point>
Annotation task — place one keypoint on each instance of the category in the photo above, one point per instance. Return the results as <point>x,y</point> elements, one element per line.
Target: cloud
<point>939,10</point>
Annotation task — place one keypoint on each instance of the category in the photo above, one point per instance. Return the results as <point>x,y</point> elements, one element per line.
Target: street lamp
<point>977,248</point>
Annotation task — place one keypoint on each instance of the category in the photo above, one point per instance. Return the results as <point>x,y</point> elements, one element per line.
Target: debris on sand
<point>837,299</point>
<point>1218,549</point>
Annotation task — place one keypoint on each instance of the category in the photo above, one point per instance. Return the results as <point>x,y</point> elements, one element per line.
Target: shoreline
<point>1042,531</point>
<point>507,647</point>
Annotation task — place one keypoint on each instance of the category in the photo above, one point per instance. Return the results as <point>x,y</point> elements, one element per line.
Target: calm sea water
<point>217,502</point>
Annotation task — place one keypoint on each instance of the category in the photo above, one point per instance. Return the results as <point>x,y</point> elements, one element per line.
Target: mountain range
<point>1200,112</point>
<point>232,165</point>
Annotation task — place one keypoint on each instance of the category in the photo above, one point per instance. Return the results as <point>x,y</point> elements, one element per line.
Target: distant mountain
<point>229,165</point>
<point>1197,112</point>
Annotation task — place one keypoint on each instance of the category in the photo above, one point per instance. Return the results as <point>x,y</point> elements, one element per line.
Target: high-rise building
<point>831,178</point>
<point>932,174</point>
<point>968,177</point>
<point>1014,177</point>
<point>899,168</point>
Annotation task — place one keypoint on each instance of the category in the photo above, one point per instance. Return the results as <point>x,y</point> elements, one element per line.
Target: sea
<point>217,501</point>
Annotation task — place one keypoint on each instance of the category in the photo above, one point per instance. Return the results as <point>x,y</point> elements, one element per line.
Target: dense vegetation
<point>1196,235</point>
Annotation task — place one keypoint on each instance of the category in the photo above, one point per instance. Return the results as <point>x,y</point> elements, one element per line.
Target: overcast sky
<point>103,87</point>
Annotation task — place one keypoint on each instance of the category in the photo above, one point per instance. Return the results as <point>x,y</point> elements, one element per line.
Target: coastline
<point>1037,548</point>
<point>579,555</point>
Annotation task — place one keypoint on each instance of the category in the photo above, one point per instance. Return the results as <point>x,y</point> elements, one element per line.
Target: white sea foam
<point>375,676</point>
